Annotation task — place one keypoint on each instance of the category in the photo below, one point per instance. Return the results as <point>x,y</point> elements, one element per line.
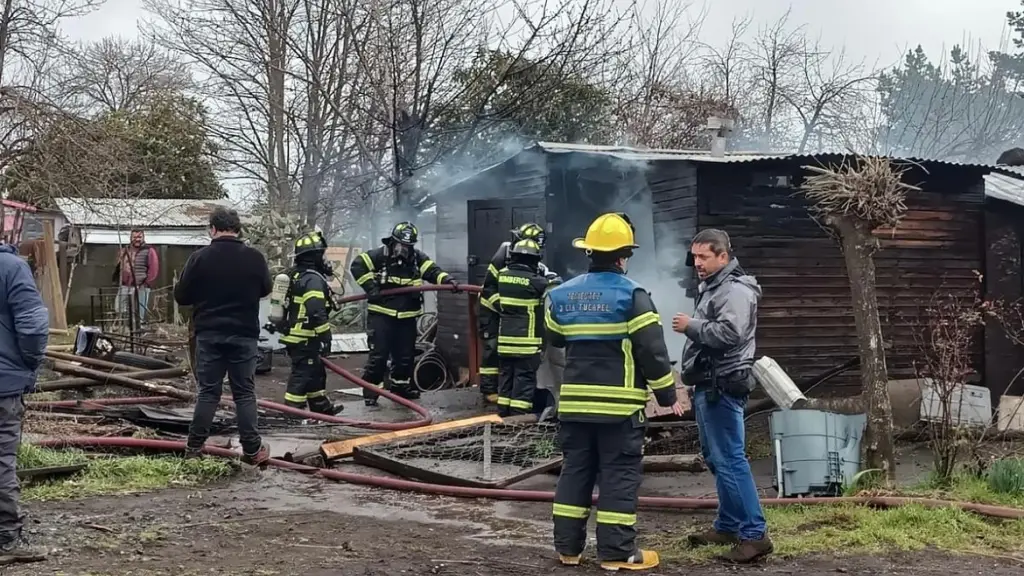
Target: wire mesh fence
<point>488,454</point>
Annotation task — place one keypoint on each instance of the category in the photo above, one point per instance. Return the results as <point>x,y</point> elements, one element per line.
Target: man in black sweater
<point>224,283</point>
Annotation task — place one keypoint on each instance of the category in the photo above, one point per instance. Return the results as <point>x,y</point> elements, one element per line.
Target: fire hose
<point>672,503</point>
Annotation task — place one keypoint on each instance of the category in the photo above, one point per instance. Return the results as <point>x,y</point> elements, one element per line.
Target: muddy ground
<point>280,523</point>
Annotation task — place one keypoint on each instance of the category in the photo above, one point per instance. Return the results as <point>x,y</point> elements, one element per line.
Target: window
<point>772,180</point>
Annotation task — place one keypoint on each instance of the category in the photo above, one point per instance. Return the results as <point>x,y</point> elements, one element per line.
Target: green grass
<point>846,529</point>
<point>115,475</point>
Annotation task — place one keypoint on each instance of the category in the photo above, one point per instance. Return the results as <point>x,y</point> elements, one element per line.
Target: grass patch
<point>115,475</point>
<point>850,529</point>
<point>846,529</point>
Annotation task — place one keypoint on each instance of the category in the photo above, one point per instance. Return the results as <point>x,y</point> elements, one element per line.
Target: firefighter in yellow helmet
<point>306,328</point>
<point>391,320</point>
<point>615,355</point>
<point>520,301</point>
<point>487,310</point>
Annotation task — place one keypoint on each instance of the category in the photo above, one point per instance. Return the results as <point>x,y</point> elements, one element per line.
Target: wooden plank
<point>48,278</point>
<point>343,448</point>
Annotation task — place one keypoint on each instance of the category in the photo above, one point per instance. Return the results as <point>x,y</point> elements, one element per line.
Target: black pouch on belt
<point>738,384</point>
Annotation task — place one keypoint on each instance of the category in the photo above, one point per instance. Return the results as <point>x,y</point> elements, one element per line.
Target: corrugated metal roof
<point>645,154</point>
<point>144,213</point>
<point>1006,188</point>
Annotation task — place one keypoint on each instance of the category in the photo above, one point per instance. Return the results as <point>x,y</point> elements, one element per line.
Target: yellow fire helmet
<point>608,233</point>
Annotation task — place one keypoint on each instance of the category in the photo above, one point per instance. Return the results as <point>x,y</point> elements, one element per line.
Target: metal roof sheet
<point>651,154</point>
<point>1006,188</point>
<point>143,213</point>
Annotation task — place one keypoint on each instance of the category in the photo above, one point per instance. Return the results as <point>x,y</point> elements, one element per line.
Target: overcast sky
<point>874,30</point>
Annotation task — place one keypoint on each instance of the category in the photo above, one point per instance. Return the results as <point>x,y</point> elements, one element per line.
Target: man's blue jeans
<point>722,439</point>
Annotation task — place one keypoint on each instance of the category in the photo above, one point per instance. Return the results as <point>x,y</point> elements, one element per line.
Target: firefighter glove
<point>455,285</point>
<point>373,293</point>
<point>325,345</point>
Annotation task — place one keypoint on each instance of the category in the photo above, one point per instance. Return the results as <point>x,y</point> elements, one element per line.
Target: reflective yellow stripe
<point>367,260</point>
<point>394,313</point>
<point>488,371</point>
<point>294,397</point>
<point>503,401</point>
<point>598,392</point>
<point>549,321</point>
<point>441,277</point>
<point>619,518</point>
<point>520,404</point>
<point>518,350</point>
<point>487,304</point>
<point>317,394</point>
<point>525,302</point>
<point>663,382</point>
<point>309,296</point>
<point>629,366</point>
<point>570,511</point>
<point>426,266</point>
<point>405,281</point>
<point>613,329</point>
<point>289,339</point>
<point>597,408</point>
<point>642,321</point>
<point>492,270</point>
<point>364,278</point>
<point>322,328</point>
<point>519,340</point>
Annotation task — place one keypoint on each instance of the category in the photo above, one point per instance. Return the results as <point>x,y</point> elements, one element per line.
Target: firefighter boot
<point>321,405</point>
<point>404,389</point>
<point>641,560</point>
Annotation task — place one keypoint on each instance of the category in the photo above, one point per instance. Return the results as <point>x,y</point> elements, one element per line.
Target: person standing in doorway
<point>24,331</point>
<point>224,283</point>
<point>138,268</point>
<point>717,362</point>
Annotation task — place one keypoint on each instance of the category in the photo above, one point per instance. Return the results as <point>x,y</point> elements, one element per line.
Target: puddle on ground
<point>278,491</point>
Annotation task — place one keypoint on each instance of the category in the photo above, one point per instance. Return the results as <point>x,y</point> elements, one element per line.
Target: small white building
<point>166,222</point>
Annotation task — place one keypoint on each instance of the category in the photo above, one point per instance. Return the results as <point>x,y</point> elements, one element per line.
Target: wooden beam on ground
<point>343,448</point>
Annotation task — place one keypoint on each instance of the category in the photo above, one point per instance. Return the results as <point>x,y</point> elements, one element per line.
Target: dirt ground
<point>272,522</point>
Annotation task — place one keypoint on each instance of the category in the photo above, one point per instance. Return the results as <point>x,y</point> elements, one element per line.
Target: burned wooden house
<point>805,320</point>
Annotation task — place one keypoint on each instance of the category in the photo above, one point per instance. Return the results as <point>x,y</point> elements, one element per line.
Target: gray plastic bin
<point>817,452</point>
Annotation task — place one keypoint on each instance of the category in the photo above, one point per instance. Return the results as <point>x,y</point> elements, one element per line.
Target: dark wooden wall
<point>673,188</point>
<point>525,176</point>
<point>1004,228</point>
<point>805,320</point>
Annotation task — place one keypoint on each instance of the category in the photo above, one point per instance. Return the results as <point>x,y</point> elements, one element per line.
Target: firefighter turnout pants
<point>517,384</point>
<point>307,382</point>
<point>489,363</point>
<point>610,455</point>
<point>392,339</point>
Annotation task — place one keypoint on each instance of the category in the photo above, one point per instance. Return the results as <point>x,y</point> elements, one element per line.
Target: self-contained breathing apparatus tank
<point>278,295</point>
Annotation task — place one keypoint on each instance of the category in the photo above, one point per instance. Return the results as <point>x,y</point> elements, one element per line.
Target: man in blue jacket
<point>24,331</point>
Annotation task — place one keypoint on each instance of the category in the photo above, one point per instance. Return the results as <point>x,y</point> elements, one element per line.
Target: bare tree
<point>116,74</point>
<point>852,200</point>
<point>775,56</point>
<point>828,96</point>
<point>728,68</point>
<point>659,87</point>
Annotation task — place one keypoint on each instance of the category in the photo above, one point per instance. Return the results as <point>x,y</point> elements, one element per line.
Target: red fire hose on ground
<point>672,503</point>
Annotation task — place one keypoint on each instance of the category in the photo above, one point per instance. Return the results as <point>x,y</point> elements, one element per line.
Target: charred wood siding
<point>524,176</point>
<point>1004,225</point>
<point>673,189</point>
<point>806,320</point>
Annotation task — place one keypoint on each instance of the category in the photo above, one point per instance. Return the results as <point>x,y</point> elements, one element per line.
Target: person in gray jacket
<point>24,332</point>
<point>717,362</point>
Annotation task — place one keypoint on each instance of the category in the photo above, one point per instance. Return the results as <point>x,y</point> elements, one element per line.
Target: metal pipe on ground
<point>671,503</point>
<point>77,383</point>
<point>95,362</point>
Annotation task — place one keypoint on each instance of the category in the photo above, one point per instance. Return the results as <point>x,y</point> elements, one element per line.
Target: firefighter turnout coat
<point>377,270</point>
<point>309,308</point>
<point>614,348</point>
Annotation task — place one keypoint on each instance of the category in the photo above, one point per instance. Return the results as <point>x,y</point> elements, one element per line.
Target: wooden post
<point>48,278</point>
<point>487,451</point>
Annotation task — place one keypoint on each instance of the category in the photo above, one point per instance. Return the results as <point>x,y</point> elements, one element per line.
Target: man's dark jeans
<point>12,408</point>
<point>217,355</point>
